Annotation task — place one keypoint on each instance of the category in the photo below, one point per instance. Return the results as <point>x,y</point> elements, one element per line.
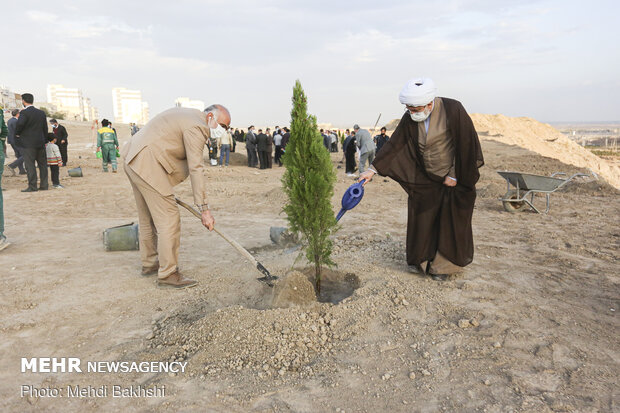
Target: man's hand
<point>448,181</point>
<point>366,176</point>
<point>207,220</point>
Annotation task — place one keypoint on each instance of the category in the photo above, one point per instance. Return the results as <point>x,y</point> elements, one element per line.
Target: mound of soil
<point>295,289</point>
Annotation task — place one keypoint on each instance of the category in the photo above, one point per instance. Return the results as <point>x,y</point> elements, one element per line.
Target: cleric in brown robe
<point>434,154</point>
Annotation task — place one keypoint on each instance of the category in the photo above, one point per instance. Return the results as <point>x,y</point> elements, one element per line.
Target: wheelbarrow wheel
<point>513,206</point>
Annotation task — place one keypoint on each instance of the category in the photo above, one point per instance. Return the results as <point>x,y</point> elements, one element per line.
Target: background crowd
<point>40,153</point>
<point>264,148</point>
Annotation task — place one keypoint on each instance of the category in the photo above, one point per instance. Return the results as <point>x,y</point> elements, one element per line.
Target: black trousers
<point>252,158</point>
<point>19,162</point>
<point>63,153</point>
<point>278,155</point>
<point>30,156</point>
<point>54,171</point>
<point>263,158</point>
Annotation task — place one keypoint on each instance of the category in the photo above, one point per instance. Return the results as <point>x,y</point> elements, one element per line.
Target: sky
<point>551,60</point>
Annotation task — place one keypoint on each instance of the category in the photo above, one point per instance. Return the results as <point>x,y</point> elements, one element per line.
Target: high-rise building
<point>183,102</point>
<point>90,112</point>
<point>72,102</point>
<point>9,99</point>
<point>129,107</point>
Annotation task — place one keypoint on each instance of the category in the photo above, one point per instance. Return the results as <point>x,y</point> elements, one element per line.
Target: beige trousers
<point>160,226</point>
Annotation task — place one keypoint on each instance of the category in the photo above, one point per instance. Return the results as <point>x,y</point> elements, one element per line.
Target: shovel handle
<point>231,241</point>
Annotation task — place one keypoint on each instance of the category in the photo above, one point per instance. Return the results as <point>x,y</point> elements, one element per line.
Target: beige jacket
<point>168,149</point>
<point>227,139</point>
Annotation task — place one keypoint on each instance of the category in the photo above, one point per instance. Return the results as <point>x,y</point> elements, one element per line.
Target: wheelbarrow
<point>527,185</point>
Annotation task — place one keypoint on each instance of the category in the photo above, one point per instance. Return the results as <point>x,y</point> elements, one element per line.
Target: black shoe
<point>415,269</point>
<point>29,190</point>
<point>440,277</point>
<point>43,189</point>
<point>23,173</point>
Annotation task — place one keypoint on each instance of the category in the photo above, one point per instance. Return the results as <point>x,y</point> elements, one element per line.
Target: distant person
<point>233,148</point>
<point>434,154</point>
<point>62,139</point>
<point>164,153</point>
<point>326,139</point>
<point>333,147</point>
<point>262,144</point>
<point>107,144</point>
<point>347,133</point>
<point>250,146</point>
<point>381,139</point>
<point>114,129</point>
<point>277,141</point>
<point>134,129</point>
<point>366,146</point>
<point>31,133</point>
<point>269,149</point>
<point>349,147</point>
<point>212,146</point>
<point>286,137</point>
<point>19,155</point>
<point>3,134</point>
<point>225,143</point>
<point>54,159</point>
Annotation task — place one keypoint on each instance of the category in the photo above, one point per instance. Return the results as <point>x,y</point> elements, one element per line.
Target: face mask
<point>218,131</point>
<point>420,116</point>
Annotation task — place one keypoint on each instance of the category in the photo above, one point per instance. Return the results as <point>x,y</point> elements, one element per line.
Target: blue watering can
<point>352,196</point>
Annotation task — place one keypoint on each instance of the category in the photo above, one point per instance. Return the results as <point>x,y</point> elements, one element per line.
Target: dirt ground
<point>531,326</point>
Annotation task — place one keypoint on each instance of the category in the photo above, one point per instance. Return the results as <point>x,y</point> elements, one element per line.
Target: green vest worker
<point>107,143</point>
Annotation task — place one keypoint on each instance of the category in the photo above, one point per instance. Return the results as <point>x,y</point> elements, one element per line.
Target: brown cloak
<point>439,216</point>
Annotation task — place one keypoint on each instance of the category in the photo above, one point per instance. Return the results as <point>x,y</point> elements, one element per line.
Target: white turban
<point>418,92</point>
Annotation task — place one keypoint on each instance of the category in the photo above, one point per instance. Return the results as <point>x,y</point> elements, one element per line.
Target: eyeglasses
<point>415,109</point>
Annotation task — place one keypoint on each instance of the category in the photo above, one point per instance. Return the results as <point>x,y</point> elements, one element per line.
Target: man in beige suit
<point>159,156</point>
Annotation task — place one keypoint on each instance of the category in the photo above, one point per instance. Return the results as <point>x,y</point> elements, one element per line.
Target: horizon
<point>517,58</point>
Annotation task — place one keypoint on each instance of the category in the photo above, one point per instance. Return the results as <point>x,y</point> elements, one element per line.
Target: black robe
<point>439,216</point>
<point>350,147</point>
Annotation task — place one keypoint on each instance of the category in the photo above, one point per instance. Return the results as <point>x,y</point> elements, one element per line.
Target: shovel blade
<point>268,278</point>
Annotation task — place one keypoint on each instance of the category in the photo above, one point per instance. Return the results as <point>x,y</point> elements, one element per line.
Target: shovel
<point>267,277</point>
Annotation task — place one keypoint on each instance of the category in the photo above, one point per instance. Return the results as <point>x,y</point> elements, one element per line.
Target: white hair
<point>215,109</point>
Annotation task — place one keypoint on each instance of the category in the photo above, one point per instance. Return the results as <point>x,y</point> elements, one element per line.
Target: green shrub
<point>309,184</point>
